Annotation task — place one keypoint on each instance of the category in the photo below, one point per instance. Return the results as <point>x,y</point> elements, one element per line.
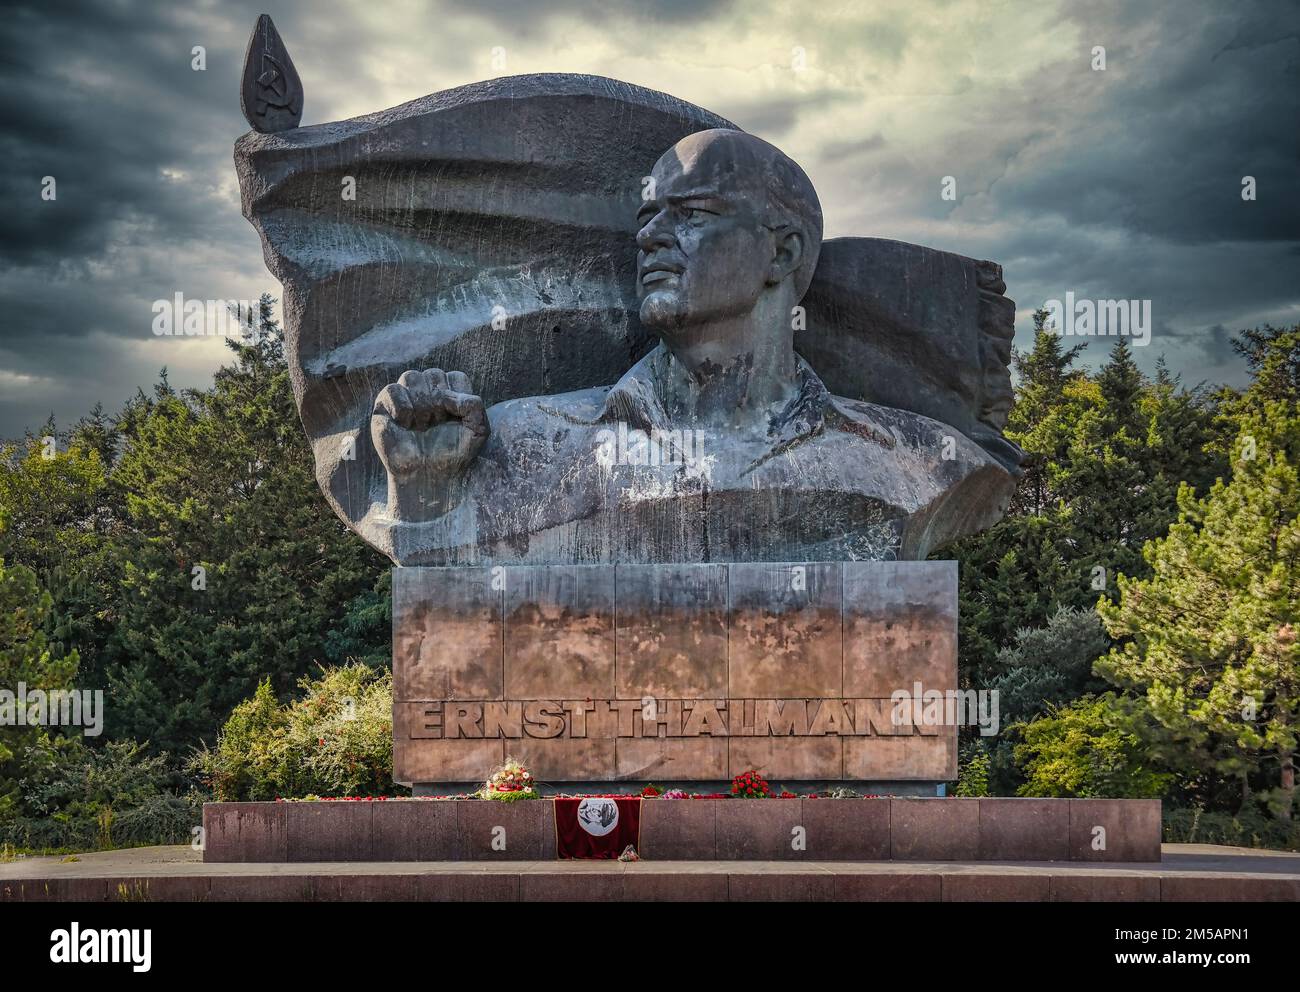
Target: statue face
<point>704,252</point>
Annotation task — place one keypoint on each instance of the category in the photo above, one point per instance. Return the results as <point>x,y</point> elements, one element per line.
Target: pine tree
<point>1273,356</point>
<point>1106,454</point>
<point>58,517</point>
<point>1211,637</point>
<point>25,657</point>
<point>238,570</point>
<point>1122,384</point>
<point>1041,417</point>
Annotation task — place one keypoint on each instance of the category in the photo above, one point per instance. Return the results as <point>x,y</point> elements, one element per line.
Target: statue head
<point>733,226</point>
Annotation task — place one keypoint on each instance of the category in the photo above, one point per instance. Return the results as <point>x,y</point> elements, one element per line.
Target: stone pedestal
<point>813,830</point>
<point>606,674</point>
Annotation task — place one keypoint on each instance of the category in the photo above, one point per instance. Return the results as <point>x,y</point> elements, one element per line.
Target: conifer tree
<point>1211,636</point>
<point>237,570</point>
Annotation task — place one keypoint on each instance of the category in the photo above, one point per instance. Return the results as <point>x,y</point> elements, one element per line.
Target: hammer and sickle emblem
<point>274,87</point>
<point>270,92</point>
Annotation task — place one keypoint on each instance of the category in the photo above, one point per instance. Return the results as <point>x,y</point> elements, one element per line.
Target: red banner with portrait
<point>597,826</point>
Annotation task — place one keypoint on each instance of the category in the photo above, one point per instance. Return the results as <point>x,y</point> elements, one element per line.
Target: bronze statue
<point>522,340</point>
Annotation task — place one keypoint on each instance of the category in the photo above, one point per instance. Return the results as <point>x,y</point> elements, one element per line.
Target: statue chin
<point>671,314</point>
<point>663,310</point>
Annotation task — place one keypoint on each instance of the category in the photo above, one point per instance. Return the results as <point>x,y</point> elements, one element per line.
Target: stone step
<point>174,874</point>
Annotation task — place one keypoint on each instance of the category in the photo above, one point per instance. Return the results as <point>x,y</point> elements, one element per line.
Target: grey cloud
<point>1124,183</point>
<point>770,117</point>
<point>834,151</point>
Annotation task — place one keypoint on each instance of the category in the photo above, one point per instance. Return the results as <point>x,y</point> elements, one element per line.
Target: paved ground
<point>181,860</point>
<point>1187,872</point>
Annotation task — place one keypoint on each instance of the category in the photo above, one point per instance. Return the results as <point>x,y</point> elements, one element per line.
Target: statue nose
<point>655,234</point>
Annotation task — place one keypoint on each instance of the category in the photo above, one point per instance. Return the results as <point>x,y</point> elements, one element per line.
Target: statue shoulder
<point>909,432</point>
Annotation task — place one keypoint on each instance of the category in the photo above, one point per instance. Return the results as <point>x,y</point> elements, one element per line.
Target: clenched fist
<point>427,428</point>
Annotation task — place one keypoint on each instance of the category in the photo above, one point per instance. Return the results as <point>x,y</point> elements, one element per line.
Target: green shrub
<point>1095,748</point>
<point>1250,827</point>
<point>973,777</point>
<point>336,740</point>
<point>82,797</point>
<point>26,656</point>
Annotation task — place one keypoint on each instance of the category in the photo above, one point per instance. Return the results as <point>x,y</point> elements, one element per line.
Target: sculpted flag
<point>597,827</point>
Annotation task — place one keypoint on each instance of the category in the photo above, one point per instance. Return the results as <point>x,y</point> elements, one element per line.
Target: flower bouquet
<point>510,782</point>
<point>750,785</point>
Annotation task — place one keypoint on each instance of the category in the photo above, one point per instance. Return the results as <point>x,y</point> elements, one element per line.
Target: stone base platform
<point>1186,873</point>
<point>785,830</point>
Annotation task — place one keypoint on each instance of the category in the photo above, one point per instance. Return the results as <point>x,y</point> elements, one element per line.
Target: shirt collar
<point>637,400</point>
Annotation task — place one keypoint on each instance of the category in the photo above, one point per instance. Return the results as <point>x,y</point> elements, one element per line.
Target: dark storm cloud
<point>1127,182</point>
<point>102,98</point>
<point>103,101</point>
<point>1176,121</point>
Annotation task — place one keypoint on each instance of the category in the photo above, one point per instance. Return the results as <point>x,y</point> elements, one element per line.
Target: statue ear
<point>787,254</point>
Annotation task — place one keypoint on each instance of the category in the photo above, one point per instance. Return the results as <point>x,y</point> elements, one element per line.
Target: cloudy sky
<point>1117,183</point>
